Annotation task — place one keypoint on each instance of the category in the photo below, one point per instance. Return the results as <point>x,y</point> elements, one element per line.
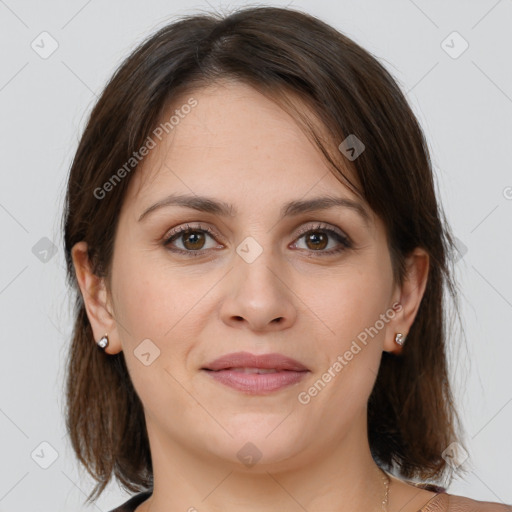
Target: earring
<point>103,342</point>
<point>399,339</point>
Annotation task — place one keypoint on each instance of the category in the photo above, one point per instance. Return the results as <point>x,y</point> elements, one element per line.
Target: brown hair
<point>411,414</point>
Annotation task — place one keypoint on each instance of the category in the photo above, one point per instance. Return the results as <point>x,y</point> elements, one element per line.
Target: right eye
<point>191,238</point>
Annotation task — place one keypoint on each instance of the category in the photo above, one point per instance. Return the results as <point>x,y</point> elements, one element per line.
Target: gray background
<point>464,105</point>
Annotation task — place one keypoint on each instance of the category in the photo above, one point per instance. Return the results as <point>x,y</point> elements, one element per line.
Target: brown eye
<point>316,240</point>
<point>192,240</point>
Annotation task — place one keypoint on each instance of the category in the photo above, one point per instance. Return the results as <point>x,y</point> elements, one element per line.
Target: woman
<point>259,261</point>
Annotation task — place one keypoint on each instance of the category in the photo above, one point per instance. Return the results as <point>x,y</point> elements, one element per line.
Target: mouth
<point>256,374</point>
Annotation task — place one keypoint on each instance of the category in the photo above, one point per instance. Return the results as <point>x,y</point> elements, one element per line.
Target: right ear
<point>96,299</point>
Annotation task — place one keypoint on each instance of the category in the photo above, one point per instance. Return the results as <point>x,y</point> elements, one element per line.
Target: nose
<point>257,295</point>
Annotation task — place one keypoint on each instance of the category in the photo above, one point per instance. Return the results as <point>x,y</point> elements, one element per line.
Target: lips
<point>256,374</point>
<point>251,363</point>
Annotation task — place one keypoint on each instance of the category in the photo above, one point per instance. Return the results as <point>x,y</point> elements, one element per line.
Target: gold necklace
<point>386,478</point>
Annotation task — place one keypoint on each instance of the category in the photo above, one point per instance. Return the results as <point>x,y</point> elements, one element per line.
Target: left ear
<point>409,295</point>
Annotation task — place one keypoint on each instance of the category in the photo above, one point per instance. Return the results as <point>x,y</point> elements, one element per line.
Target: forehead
<point>234,140</point>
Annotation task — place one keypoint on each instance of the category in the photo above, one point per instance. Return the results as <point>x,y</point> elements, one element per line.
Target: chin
<point>254,447</point>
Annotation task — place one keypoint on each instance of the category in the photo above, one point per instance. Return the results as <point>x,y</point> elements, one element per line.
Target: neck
<point>339,475</point>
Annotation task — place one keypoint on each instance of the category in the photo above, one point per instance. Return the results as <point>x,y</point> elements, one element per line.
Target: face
<point>308,285</point>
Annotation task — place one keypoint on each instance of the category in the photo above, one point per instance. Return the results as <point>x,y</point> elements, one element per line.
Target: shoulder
<point>445,502</point>
<point>133,502</point>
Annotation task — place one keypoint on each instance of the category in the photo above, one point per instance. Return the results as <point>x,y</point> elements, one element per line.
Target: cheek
<point>138,301</point>
<point>351,307</point>
<point>158,301</point>
<point>352,347</point>
<point>152,314</point>
<point>353,300</point>
<point>145,304</point>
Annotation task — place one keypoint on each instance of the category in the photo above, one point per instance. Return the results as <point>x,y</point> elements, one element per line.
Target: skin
<point>239,147</point>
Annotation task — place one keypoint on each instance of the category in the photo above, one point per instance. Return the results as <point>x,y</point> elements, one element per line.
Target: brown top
<point>449,503</point>
<point>441,502</point>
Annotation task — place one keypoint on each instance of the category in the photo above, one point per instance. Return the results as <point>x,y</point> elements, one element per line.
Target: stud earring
<point>399,339</point>
<point>103,342</point>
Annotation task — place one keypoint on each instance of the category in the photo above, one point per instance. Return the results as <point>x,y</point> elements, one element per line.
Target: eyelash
<point>342,239</point>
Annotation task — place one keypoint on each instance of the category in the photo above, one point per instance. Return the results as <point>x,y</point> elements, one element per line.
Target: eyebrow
<point>209,205</point>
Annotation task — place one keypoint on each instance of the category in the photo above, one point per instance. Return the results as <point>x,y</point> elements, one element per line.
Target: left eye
<point>317,239</point>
